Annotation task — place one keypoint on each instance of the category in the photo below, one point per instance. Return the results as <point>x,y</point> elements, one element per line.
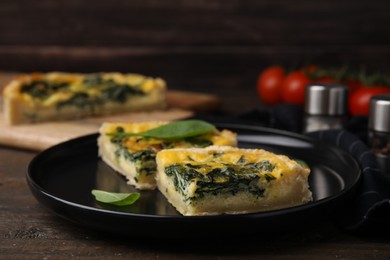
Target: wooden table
<point>28,230</point>
<point>216,47</point>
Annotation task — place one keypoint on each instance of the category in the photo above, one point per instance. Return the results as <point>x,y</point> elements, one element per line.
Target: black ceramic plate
<point>63,176</point>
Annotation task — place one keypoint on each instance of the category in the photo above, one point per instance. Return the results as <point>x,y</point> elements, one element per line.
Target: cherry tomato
<point>310,69</point>
<point>352,85</point>
<point>359,103</point>
<point>293,87</point>
<point>268,85</point>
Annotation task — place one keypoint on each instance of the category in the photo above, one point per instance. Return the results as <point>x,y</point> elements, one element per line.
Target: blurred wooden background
<point>200,45</point>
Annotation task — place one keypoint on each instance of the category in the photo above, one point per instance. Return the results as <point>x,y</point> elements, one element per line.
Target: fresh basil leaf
<point>117,199</point>
<point>302,163</point>
<point>174,130</point>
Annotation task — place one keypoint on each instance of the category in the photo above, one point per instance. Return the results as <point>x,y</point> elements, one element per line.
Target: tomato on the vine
<point>268,85</point>
<point>275,86</point>
<point>325,79</point>
<point>352,85</point>
<point>318,75</point>
<point>359,103</point>
<point>293,87</point>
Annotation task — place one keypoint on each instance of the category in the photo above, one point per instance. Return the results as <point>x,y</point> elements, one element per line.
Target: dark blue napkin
<point>369,210</point>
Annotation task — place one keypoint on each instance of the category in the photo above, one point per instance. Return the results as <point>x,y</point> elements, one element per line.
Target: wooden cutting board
<point>181,104</point>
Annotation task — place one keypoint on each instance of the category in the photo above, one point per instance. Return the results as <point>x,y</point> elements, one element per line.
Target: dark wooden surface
<point>215,46</point>
<point>193,43</point>
<point>30,231</point>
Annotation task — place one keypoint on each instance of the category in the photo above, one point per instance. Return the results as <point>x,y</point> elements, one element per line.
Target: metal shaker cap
<point>379,116</point>
<point>326,99</point>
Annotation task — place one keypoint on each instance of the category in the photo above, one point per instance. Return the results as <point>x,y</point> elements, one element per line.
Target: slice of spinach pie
<point>59,96</point>
<point>130,148</point>
<point>227,180</point>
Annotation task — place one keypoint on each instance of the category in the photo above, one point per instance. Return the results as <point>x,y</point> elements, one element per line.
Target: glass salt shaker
<point>326,107</point>
<point>379,130</point>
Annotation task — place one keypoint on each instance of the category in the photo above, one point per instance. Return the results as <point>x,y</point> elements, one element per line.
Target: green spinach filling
<point>42,89</point>
<point>145,160</point>
<point>80,100</point>
<point>229,179</point>
<point>110,91</point>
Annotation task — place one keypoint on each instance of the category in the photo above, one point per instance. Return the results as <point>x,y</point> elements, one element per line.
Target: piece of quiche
<point>227,180</point>
<point>135,156</point>
<point>61,96</point>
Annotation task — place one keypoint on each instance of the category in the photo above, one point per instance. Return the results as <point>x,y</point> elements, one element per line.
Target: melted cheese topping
<point>76,83</point>
<point>132,127</point>
<point>219,157</point>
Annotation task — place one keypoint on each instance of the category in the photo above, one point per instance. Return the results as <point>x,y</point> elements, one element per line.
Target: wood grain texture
<point>43,135</point>
<point>183,22</point>
<point>30,231</point>
<point>212,46</point>
<point>215,47</point>
<point>117,35</point>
